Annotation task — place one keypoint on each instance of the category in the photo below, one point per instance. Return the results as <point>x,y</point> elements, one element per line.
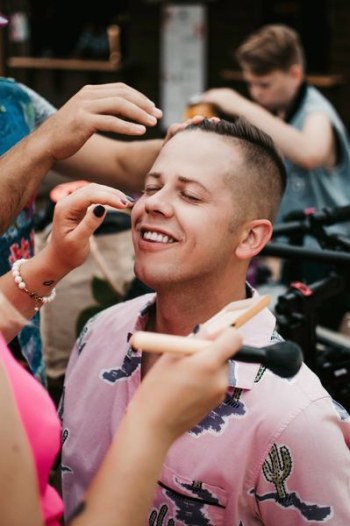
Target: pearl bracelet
<point>39,300</point>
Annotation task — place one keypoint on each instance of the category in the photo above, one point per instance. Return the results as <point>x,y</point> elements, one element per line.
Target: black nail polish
<point>99,210</point>
<point>131,199</point>
<point>196,329</point>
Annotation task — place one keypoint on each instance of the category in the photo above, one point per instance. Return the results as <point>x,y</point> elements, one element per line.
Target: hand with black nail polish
<point>99,210</point>
<point>75,220</point>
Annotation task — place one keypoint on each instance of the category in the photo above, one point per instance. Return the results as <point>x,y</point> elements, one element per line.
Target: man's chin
<point>155,280</point>
<point>148,278</point>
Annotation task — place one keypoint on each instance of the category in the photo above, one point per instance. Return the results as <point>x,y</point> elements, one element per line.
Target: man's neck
<point>178,312</point>
<point>181,307</point>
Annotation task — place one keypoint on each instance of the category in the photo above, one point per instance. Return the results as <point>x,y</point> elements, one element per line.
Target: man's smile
<point>155,236</point>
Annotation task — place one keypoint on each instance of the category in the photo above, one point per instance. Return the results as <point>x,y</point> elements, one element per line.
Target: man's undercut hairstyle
<point>271,48</point>
<point>262,179</point>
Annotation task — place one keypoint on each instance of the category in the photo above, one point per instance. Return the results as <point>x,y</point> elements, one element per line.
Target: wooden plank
<point>64,64</point>
<point>320,81</point>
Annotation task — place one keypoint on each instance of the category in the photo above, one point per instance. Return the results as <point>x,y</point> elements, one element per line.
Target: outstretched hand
<point>178,392</point>
<point>76,218</point>
<point>115,108</point>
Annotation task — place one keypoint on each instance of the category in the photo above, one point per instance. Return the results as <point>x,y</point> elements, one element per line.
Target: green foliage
<point>105,297</point>
<point>103,292</point>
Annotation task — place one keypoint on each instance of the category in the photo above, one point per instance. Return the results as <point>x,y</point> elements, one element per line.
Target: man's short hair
<point>264,177</point>
<point>271,48</point>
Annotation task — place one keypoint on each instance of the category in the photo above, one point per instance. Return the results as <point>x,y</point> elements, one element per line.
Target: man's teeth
<point>159,238</point>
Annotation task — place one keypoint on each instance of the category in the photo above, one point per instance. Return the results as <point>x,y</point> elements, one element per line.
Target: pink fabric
<point>275,452</point>
<point>43,430</point>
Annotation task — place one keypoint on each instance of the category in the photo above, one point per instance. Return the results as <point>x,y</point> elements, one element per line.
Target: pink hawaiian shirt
<point>275,452</point>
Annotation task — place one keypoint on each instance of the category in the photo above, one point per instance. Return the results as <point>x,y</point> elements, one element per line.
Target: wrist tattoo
<point>48,283</point>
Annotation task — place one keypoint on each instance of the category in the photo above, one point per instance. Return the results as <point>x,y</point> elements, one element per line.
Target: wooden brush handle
<point>235,315</point>
<point>160,343</point>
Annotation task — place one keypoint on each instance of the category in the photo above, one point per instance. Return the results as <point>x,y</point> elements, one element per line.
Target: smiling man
<point>207,209</point>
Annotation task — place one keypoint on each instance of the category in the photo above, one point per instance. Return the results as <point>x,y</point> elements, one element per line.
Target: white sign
<point>183,58</point>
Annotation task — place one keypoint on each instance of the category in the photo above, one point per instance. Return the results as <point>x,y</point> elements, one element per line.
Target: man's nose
<point>160,203</point>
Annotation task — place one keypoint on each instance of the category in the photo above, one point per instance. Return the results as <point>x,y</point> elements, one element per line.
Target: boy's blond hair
<point>271,48</point>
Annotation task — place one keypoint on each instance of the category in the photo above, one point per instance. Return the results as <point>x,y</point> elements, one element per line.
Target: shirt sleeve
<point>306,475</point>
<point>42,108</point>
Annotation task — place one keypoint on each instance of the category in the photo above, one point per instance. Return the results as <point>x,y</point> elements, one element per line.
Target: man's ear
<point>296,72</point>
<point>254,237</point>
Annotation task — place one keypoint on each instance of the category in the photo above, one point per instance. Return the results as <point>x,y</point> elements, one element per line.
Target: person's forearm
<point>40,276</point>
<point>119,164</point>
<point>292,143</point>
<point>19,488</point>
<point>22,169</point>
<point>137,162</point>
<point>122,492</point>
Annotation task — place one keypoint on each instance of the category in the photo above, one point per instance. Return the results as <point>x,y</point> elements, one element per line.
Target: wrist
<point>151,429</point>
<point>39,299</point>
<point>58,260</point>
<point>41,273</point>
<point>45,143</point>
<point>39,145</point>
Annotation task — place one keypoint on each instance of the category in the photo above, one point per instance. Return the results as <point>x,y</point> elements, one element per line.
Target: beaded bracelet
<point>39,300</point>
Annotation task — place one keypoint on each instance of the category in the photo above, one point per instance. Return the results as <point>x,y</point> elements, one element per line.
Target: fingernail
<point>99,210</point>
<point>124,201</point>
<point>152,120</point>
<point>139,128</point>
<point>151,101</point>
<point>157,112</point>
<point>131,199</point>
<point>196,329</point>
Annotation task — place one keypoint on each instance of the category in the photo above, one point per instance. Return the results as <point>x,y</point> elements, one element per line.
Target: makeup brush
<point>283,358</point>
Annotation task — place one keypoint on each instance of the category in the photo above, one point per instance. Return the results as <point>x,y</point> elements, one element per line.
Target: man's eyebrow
<point>186,180</point>
<point>181,179</point>
<point>155,175</point>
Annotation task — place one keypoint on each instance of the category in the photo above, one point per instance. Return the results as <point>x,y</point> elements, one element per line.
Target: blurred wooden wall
<point>323,24</point>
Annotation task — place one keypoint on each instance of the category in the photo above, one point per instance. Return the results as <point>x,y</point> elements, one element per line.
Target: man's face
<point>274,91</point>
<point>185,226</point>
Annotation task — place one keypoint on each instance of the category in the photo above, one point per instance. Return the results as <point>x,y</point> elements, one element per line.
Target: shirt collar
<point>146,309</point>
<point>297,102</point>
<point>257,332</point>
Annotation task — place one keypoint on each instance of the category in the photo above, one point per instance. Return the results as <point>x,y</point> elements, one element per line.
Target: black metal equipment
<point>296,310</point>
